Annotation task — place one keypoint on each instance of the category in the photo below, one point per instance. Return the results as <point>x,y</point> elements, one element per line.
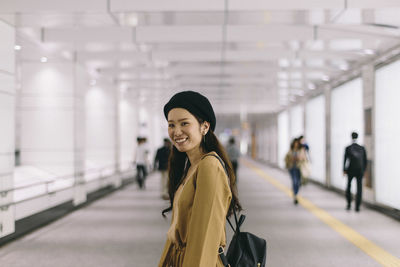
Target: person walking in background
<point>305,168</point>
<point>233,154</point>
<point>354,165</point>
<point>141,162</point>
<point>202,194</point>
<point>161,163</point>
<point>293,160</point>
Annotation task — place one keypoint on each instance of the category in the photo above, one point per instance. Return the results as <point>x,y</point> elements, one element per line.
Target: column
<point>368,80</point>
<point>7,126</point>
<point>327,93</point>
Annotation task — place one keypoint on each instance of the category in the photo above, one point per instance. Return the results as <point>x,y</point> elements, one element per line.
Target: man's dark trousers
<point>359,190</point>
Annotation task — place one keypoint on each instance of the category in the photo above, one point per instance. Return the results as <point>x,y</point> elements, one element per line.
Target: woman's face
<point>184,130</point>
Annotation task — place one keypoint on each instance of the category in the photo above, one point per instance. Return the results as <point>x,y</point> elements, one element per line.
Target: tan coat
<point>200,225</point>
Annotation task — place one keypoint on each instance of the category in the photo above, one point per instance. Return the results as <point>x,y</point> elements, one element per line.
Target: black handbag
<point>245,249</point>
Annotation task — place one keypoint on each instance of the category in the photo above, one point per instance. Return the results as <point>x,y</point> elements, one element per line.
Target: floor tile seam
<point>374,251</point>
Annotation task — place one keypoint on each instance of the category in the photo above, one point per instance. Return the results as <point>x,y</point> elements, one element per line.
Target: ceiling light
<point>43,59</point>
<point>66,54</point>
<point>325,78</point>
<point>298,92</point>
<point>93,82</point>
<point>283,84</point>
<point>283,75</point>
<point>284,63</point>
<point>311,86</point>
<point>344,67</point>
<point>132,20</point>
<point>369,51</point>
<point>17,47</point>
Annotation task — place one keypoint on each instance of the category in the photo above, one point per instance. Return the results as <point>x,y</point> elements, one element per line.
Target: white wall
<point>283,137</point>
<point>346,117</point>
<point>128,132</point>
<point>315,136</point>
<point>387,134</point>
<point>100,145</point>
<point>7,124</point>
<point>296,119</point>
<point>47,116</point>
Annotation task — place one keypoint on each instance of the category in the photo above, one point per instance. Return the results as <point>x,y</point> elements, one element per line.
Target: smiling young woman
<point>201,194</point>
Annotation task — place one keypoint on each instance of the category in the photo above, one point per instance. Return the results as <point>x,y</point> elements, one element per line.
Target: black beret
<point>195,103</point>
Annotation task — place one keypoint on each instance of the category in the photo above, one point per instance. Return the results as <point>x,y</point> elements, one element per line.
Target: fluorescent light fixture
<point>296,75</point>
<point>369,51</point>
<point>132,20</point>
<point>284,63</point>
<point>344,67</point>
<point>283,84</point>
<point>298,92</point>
<point>17,47</point>
<point>311,86</point>
<point>325,78</point>
<point>66,54</point>
<point>43,59</point>
<point>283,75</point>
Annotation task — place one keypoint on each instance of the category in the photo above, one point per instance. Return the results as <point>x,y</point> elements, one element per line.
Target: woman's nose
<point>177,131</point>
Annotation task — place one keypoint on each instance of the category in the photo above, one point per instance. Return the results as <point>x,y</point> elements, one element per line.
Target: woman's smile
<point>181,141</point>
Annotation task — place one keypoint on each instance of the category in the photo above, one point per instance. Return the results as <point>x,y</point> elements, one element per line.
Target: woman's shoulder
<point>212,159</point>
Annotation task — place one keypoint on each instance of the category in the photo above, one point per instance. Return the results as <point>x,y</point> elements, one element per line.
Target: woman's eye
<point>170,125</point>
<point>184,123</point>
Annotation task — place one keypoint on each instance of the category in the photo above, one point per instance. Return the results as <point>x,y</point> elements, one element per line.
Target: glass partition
<point>315,136</point>
<point>283,137</point>
<point>296,121</point>
<point>387,132</point>
<point>346,117</point>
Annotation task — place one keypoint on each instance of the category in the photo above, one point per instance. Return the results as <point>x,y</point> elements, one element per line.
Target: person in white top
<point>141,162</point>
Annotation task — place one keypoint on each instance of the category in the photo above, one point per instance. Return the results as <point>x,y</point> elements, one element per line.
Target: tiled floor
<point>126,229</point>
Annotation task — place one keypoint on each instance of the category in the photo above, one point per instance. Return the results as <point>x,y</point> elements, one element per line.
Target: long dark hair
<point>178,165</point>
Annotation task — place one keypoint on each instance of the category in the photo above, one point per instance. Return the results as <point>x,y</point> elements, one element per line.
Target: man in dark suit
<point>354,165</point>
<point>161,161</point>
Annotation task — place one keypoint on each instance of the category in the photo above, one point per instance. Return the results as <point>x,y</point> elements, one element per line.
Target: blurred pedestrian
<point>293,160</point>
<point>305,168</point>
<point>202,194</point>
<point>233,154</point>
<point>161,163</point>
<point>141,162</point>
<point>354,165</point>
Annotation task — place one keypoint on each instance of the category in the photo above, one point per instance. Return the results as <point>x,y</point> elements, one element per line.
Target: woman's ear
<point>205,127</point>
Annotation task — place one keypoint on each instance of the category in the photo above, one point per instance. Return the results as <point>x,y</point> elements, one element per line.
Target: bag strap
<point>221,253</point>
<point>242,217</point>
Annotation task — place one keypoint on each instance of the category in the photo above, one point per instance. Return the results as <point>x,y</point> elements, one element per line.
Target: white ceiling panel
<point>244,55</point>
<point>187,56</point>
<point>114,56</point>
<point>166,5</point>
<point>57,6</point>
<point>94,34</point>
<point>176,34</point>
<point>259,33</point>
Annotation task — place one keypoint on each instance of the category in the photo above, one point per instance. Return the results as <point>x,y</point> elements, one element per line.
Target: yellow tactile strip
<point>374,251</point>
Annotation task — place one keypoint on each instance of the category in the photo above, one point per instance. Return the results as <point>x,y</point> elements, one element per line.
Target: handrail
<point>7,205</point>
<point>64,177</point>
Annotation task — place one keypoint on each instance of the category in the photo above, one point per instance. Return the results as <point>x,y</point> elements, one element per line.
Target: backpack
<point>356,159</point>
<point>245,249</point>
